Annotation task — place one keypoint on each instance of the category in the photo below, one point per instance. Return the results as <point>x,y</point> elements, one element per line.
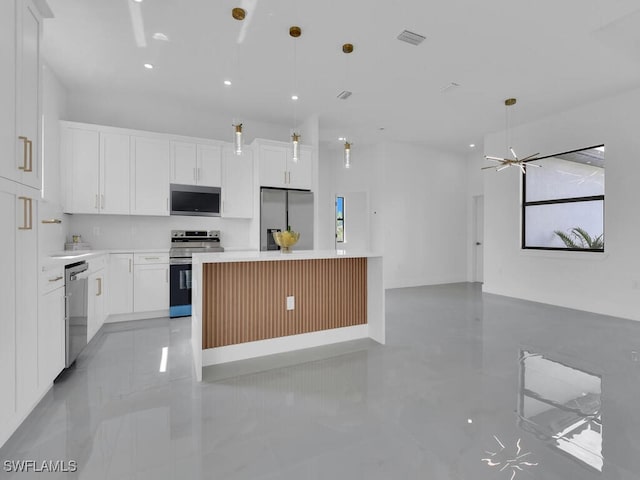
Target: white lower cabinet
<point>51,336</point>
<point>120,283</point>
<point>150,283</point>
<point>96,288</point>
<point>19,302</point>
<point>138,283</point>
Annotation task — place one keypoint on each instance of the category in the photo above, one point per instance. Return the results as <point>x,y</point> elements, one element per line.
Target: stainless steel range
<point>184,243</point>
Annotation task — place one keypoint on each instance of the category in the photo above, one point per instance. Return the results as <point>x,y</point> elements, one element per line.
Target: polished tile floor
<point>469,387</point>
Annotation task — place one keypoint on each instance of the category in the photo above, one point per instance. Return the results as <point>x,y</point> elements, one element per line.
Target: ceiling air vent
<point>344,94</point>
<point>410,37</point>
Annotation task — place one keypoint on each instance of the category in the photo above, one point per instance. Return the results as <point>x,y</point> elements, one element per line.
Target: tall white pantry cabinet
<point>20,193</point>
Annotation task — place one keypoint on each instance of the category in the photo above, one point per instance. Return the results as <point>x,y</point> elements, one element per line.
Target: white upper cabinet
<point>300,172</point>
<point>80,156</point>
<point>237,183</point>
<point>95,170</point>
<point>20,98</point>
<point>195,164</point>
<point>114,173</point>
<point>150,175</point>
<point>208,167</point>
<point>277,168</point>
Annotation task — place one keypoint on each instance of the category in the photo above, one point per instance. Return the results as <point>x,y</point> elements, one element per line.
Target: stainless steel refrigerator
<point>280,208</point>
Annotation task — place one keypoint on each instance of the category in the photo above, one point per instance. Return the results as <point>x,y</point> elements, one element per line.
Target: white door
<point>209,164</point>
<point>273,163</point>
<point>114,173</point>
<point>355,222</point>
<point>28,89</point>
<point>299,173</point>
<point>51,337</point>
<point>82,147</point>
<point>151,287</point>
<point>183,163</point>
<point>120,283</point>
<point>27,302</point>
<point>237,183</point>
<point>8,316</point>
<point>8,160</point>
<point>478,244</point>
<point>150,174</point>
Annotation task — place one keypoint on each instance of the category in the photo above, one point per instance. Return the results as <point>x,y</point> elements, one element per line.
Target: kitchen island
<point>250,304</point>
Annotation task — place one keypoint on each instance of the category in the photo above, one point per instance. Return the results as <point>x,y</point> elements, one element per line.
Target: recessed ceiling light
<point>138,1</point>
<point>341,139</point>
<point>148,66</point>
<point>469,420</point>
<point>472,145</point>
<point>160,36</point>
<point>227,82</point>
<point>381,128</point>
<point>294,97</point>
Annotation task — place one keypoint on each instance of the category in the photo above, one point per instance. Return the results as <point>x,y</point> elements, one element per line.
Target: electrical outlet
<point>291,302</point>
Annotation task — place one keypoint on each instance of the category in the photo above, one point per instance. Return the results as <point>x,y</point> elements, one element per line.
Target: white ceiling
<point>550,54</point>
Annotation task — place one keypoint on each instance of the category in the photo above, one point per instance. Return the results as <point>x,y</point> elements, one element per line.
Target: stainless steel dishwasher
<point>76,297</point>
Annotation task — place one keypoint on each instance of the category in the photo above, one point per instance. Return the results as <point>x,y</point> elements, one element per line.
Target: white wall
<point>165,115</point>
<point>417,208</point>
<point>51,237</point>
<point>607,283</point>
<point>475,188</point>
<point>140,232</point>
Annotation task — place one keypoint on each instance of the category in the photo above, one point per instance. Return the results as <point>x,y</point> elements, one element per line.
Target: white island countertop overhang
<point>337,296</point>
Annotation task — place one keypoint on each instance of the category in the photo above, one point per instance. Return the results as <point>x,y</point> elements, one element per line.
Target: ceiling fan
<point>503,162</point>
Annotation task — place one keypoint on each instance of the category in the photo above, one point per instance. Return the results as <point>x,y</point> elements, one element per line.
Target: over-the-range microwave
<point>195,200</point>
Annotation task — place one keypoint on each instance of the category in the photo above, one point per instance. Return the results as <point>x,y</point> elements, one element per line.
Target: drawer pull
<point>52,220</point>
<point>55,279</point>
<point>152,258</point>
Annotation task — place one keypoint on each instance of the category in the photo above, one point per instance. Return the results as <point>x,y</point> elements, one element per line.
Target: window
<point>340,219</point>
<point>563,202</point>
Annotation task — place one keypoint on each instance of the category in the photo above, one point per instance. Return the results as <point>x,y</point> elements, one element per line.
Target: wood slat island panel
<point>246,301</point>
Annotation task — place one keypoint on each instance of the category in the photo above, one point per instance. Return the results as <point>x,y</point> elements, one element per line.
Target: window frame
<point>526,204</point>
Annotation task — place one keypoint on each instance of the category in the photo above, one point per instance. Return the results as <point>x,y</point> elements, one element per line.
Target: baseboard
<point>126,317</point>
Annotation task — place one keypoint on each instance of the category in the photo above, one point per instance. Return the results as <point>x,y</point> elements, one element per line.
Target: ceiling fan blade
<point>502,167</point>
<point>522,168</point>
<point>531,164</point>
<point>530,158</point>
<point>486,168</point>
<point>513,153</point>
<point>497,159</point>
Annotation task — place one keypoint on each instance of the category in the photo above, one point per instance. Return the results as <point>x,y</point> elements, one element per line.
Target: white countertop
<point>65,257</point>
<point>254,256</point>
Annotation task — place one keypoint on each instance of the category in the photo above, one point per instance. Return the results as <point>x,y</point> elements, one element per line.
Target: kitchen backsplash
<point>137,232</point>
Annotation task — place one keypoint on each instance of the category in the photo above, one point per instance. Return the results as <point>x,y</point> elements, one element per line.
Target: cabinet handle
<point>198,173</point>
<point>195,178</point>
<point>167,204</point>
<point>166,275</point>
<point>55,279</point>
<point>95,205</point>
<point>129,265</point>
<point>27,221</point>
<point>99,286</point>
<point>53,220</point>
<point>27,159</point>
<point>102,201</point>
<point>152,258</point>
<point>289,177</point>
<point>285,177</point>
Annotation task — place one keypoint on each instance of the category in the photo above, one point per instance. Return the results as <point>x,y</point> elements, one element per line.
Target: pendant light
<point>237,139</point>
<point>347,48</point>
<point>238,14</point>
<point>295,32</point>
<point>347,154</point>
<point>504,162</point>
